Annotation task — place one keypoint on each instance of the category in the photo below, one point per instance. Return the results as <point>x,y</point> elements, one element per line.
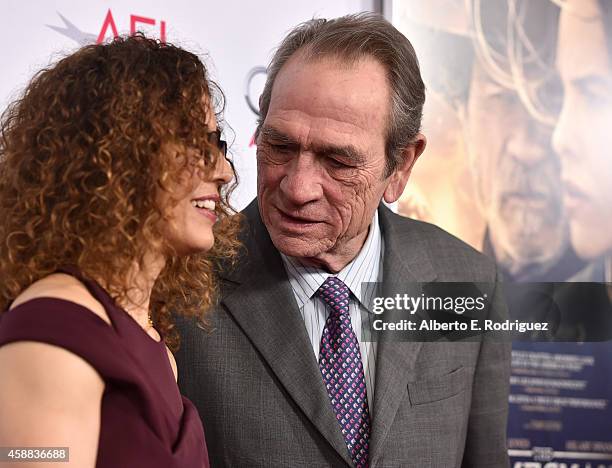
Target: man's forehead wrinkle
<point>339,112</point>
<point>305,129</point>
<point>343,112</point>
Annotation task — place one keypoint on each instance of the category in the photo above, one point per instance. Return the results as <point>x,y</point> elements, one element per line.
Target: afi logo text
<point>135,20</point>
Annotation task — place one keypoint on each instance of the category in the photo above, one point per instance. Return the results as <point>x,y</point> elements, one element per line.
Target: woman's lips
<point>211,215</point>
<point>206,206</point>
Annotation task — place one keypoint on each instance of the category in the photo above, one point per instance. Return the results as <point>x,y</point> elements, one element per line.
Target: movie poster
<point>519,97</point>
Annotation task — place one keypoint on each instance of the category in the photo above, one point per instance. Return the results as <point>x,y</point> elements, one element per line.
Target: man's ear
<point>399,178</point>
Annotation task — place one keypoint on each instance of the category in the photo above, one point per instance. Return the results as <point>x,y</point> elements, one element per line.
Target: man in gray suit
<point>284,378</point>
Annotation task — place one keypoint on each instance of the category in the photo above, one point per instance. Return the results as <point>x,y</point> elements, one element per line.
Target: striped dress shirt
<point>365,267</point>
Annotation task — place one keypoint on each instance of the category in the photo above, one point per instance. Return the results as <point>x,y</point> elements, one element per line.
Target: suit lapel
<point>406,261</point>
<point>264,306</point>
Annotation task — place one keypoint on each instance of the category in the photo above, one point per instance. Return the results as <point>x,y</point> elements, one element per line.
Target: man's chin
<point>299,247</point>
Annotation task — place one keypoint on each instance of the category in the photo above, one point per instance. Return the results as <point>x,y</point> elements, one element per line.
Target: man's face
<point>321,158</point>
<point>583,136</point>
<point>517,174</point>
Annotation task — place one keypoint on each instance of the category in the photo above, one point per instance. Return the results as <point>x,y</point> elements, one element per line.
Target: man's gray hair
<point>351,38</point>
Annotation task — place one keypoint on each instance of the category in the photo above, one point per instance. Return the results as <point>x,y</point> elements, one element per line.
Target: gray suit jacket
<point>259,391</point>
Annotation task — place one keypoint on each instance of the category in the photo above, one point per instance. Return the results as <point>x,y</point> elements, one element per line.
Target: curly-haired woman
<point>112,182</point>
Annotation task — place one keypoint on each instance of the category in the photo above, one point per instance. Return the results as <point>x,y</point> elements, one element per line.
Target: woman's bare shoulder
<point>50,396</point>
<point>62,286</point>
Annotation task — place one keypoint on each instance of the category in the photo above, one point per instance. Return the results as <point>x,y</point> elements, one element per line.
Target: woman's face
<point>583,133</point>
<point>191,218</point>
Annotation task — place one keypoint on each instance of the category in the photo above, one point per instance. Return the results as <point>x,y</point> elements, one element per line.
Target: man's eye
<point>337,164</point>
<point>280,148</point>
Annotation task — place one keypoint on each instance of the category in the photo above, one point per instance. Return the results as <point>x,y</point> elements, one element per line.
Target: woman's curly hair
<point>83,161</point>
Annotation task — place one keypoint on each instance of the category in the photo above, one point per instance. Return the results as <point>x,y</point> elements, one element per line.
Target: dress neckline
<point>115,311</point>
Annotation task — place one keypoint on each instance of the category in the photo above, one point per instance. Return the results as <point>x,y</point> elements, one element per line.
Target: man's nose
<point>529,144</point>
<point>302,181</point>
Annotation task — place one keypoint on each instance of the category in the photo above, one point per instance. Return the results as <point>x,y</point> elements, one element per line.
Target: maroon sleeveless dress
<point>145,422</point>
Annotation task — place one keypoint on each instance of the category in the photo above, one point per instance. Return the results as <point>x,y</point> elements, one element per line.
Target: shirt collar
<point>365,267</point>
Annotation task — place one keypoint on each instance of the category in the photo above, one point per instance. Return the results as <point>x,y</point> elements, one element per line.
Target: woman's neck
<point>141,279</point>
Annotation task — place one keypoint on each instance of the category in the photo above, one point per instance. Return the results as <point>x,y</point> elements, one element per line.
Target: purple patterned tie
<point>342,371</point>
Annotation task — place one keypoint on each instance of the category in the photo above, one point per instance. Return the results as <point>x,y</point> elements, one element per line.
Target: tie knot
<point>335,294</point>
